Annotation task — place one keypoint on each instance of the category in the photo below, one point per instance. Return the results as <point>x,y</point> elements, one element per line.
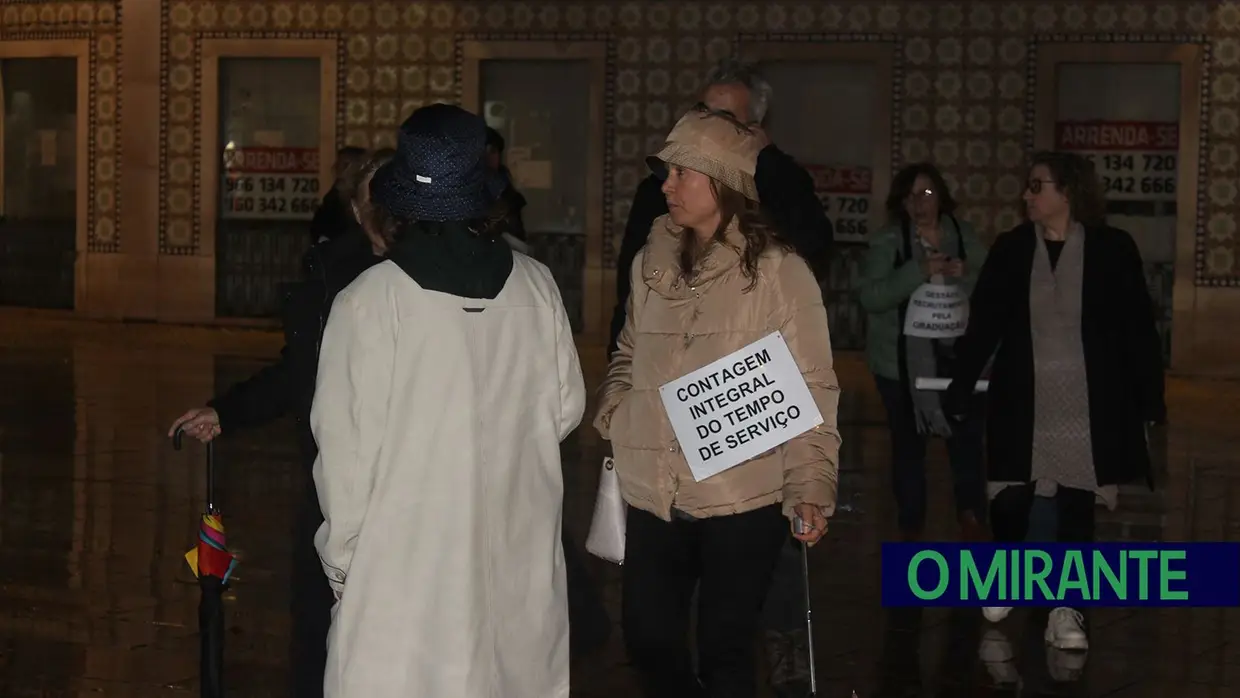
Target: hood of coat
<point>455,261</point>
<point>661,265</point>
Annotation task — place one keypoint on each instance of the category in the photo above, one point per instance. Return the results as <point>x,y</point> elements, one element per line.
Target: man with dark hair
<point>333,215</point>
<point>287,387</point>
<point>786,190</point>
<point>786,193</point>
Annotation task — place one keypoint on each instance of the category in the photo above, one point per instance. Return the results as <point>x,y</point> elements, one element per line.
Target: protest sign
<point>937,311</point>
<point>740,406</point>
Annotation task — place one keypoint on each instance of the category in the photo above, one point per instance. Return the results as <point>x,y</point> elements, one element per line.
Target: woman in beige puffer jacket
<point>712,279</point>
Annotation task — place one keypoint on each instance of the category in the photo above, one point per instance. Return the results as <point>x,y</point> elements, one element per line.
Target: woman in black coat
<point>1078,374</point>
<point>287,387</point>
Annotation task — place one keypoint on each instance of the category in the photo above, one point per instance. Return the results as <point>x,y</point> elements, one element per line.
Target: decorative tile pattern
<point>183,27</point>
<point>99,21</point>
<point>964,92</point>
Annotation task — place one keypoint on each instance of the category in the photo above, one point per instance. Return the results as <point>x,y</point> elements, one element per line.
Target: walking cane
<point>809,621</point>
<point>809,612</point>
<point>809,617</point>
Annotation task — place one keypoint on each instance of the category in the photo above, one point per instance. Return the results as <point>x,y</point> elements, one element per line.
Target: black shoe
<point>788,656</point>
<point>796,689</point>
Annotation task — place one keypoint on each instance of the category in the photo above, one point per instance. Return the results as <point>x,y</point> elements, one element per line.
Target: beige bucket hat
<point>715,145</point>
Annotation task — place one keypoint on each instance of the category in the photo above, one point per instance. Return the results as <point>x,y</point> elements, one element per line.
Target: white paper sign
<point>942,384</point>
<point>1137,160</point>
<point>270,183</point>
<point>937,311</point>
<point>740,406</point>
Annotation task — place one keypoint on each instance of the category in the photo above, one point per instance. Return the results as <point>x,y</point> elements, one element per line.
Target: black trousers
<point>589,624</point>
<point>312,601</point>
<point>730,558</point>
<point>784,609</point>
<point>908,459</point>
<point>1009,514</point>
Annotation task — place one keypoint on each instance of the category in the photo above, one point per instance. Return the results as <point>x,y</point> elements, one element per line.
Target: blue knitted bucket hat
<point>439,172</point>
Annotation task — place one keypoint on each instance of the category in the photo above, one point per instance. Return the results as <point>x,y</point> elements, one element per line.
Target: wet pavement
<point>97,510</point>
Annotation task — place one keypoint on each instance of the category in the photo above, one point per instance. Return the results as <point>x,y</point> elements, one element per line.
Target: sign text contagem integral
<point>740,406</point>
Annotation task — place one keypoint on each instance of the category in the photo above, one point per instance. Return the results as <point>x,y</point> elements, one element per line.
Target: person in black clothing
<point>1063,307</point>
<point>786,194</point>
<point>511,202</point>
<point>333,216</point>
<point>288,387</point>
<point>785,189</point>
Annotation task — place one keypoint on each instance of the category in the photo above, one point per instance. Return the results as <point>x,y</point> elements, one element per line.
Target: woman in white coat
<point>448,378</point>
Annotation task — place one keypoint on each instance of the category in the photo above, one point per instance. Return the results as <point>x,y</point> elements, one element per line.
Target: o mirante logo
<point>1104,574</point>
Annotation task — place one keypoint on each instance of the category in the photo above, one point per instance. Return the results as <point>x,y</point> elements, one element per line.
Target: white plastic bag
<point>606,539</point>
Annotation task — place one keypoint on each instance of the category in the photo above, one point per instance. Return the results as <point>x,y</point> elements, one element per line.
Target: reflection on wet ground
<point>96,511</point>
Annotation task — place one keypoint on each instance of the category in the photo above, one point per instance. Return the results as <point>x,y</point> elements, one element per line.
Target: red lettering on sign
<point>829,179</point>
<point>272,160</point>
<point>1141,136</point>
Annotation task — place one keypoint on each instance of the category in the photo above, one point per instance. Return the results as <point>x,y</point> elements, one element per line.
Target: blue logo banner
<point>1061,574</point>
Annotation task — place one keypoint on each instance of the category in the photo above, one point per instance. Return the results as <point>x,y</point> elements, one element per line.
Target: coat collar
<point>661,265</point>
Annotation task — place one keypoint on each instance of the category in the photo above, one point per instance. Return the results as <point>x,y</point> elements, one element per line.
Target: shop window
<point>546,101</point>
<point>268,188</point>
<point>846,151</point>
<point>39,213</point>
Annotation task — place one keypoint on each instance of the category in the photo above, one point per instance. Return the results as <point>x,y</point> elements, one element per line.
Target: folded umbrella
<point>211,556</point>
<point>213,564</point>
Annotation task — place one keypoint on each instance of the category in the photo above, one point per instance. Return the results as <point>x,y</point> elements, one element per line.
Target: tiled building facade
<point>964,96</point>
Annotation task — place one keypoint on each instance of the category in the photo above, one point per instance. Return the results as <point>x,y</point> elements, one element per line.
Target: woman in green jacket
<point>924,244</point>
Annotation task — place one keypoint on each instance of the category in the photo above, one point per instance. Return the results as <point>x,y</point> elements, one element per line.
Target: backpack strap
<point>905,251</point>
<point>960,251</point>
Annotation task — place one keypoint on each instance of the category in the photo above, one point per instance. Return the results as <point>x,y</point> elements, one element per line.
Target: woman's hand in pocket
<point>814,523</point>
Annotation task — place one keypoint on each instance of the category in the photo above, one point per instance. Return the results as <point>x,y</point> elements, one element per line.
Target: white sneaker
<point>995,648</point>
<point>996,653</point>
<point>994,614</point>
<point>1065,630</point>
<point>1065,666</point>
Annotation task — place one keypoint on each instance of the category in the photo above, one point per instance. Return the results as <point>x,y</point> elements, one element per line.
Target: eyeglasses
<point>921,194</point>
<point>1034,186</point>
<point>706,112</point>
